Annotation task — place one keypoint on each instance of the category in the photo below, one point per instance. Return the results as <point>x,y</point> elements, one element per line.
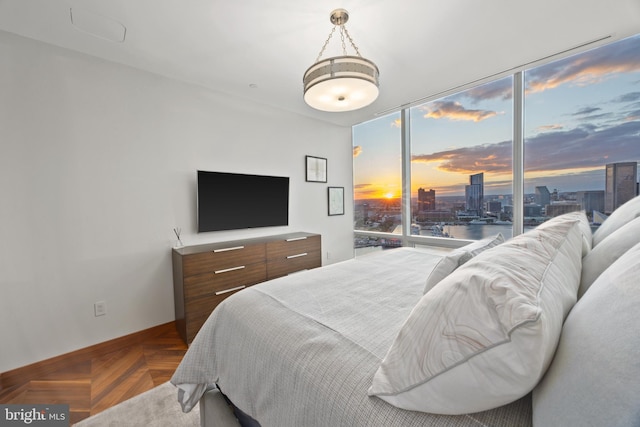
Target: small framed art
<point>336,200</point>
<point>316,169</point>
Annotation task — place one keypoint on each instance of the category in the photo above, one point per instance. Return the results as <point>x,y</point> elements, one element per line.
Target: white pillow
<point>456,258</point>
<point>607,251</point>
<point>484,335</point>
<point>594,377</point>
<point>625,213</point>
<point>585,227</point>
<point>587,234</point>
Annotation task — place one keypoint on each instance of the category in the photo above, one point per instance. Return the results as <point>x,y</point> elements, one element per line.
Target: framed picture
<point>316,168</point>
<point>336,200</point>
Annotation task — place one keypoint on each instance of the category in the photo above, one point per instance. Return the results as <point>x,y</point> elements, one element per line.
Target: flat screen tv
<point>231,201</point>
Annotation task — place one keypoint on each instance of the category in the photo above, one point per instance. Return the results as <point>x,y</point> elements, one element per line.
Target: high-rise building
<point>494,206</point>
<point>557,209</point>
<point>426,200</point>
<point>591,201</point>
<point>474,195</point>
<point>620,184</point>
<point>543,196</point>
<point>532,210</point>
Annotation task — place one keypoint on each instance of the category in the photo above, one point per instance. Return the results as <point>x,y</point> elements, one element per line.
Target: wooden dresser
<point>204,275</point>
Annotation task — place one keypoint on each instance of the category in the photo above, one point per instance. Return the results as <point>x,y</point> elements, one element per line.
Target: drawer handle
<point>226,270</point>
<point>297,256</point>
<point>235,248</point>
<point>293,239</point>
<point>226,291</point>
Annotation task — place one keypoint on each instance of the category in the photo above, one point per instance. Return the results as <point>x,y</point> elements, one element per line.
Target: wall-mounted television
<point>232,201</point>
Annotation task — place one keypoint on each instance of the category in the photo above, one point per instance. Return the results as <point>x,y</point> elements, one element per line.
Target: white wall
<point>98,164</point>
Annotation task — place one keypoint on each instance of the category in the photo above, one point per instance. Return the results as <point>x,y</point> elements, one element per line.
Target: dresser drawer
<point>287,265</point>
<point>223,280</point>
<point>223,258</point>
<point>281,249</point>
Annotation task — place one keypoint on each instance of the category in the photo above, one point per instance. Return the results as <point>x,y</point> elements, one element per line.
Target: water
<point>467,232</point>
<point>474,231</point>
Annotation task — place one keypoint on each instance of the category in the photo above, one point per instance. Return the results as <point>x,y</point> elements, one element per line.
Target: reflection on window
<point>461,163</point>
<point>582,124</point>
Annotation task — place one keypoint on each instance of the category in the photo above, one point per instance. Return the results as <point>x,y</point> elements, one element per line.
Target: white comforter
<point>302,350</point>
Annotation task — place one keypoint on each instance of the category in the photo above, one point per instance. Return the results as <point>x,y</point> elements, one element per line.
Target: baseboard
<point>39,369</point>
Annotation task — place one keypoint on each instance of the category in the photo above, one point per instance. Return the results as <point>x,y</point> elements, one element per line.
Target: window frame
<point>518,147</point>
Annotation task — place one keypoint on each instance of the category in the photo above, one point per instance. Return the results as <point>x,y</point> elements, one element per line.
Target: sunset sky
<point>580,113</point>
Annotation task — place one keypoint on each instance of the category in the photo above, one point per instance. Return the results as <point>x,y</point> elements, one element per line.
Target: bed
<point>308,349</point>
<point>321,336</point>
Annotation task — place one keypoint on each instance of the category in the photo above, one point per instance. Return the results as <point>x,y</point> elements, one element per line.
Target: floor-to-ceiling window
<point>377,180</point>
<point>581,150</point>
<point>461,163</point>
<point>582,133</point>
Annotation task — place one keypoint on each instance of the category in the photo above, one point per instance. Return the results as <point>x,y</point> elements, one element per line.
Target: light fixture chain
<point>326,43</point>
<point>350,40</point>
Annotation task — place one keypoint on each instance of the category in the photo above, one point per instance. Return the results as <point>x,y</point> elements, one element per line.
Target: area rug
<point>157,407</point>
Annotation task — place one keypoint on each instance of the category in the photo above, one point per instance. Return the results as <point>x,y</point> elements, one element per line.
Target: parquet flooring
<point>94,379</point>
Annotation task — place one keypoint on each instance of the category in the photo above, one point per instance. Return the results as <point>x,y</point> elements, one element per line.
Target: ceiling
<point>259,50</point>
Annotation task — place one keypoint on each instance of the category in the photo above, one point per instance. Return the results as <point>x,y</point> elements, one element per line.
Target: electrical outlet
<point>100,308</point>
<point>328,255</point>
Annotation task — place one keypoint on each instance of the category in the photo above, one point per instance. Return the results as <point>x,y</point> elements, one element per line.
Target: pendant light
<point>341,83</point>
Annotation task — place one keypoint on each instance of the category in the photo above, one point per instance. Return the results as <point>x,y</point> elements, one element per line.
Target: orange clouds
<point>550,127</point>
<point>553,152</point>
<point>489,158</point>
<point>587,68</point>
<point>578,75</point>
<point>454,110</point>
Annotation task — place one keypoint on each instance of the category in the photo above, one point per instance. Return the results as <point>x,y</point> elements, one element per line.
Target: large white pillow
<point>607,251</point>
<point>484,335</point>
<point>585,227</point>
<point>624,214</point>
<point>457,257</point>
<point>594,379</point>
<point>587,234</point>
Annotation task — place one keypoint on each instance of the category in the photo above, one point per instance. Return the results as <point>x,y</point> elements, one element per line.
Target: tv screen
<point>230,201</point>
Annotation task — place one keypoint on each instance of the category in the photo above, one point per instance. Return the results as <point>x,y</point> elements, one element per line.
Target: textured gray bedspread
<point>302,350</point>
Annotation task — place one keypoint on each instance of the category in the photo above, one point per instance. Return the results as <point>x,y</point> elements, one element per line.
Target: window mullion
<point>406,175</point>
<point>518,153</point>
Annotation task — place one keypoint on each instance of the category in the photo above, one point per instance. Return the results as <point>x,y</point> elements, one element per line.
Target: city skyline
<point>451,216</point>
<point>429,200</point>
<point>581,113</point>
